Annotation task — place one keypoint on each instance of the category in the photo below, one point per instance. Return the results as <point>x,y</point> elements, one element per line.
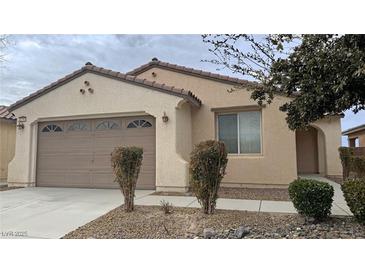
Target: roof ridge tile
<point>189,70</point>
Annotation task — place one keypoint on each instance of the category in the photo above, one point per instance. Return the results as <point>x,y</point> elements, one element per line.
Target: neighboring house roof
<point>354,129</point>
<point>5,114</point>
<point>186,94</point>
<point>155,63</point>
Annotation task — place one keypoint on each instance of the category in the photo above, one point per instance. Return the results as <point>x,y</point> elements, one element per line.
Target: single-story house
<point>72,125</point>
<point>7,141</point>
<point>355,136</point>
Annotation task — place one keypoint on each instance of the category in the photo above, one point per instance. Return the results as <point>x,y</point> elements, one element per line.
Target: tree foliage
<point>4,43</point>
<point>325,74</point>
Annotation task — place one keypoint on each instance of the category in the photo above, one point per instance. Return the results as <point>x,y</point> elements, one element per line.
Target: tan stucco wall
<point>7,146</point>
<point>360,135</point>
<point>277,163</point>
<point>110,98</point>
<point>362,140</point>
<point>330,127</point>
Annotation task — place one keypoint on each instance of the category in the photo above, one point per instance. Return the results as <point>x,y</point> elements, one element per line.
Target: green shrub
<point>166,207</point>
<point>354,192</point>
<point>358,166</point>
<point>126,163</point>
<point>345,155</point>
<point>207,168</point>
<point>311,198</point>
<point>351,164</point>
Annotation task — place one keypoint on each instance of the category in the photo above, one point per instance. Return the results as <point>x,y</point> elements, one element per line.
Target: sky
<point>34,61</point>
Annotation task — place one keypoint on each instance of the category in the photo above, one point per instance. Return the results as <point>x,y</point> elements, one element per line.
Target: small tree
<point>207,169</point>
<point>126,163</point>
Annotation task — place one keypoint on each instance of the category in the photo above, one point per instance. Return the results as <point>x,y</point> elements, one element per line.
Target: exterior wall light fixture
<point>165,118</point>
<point>21,121</point>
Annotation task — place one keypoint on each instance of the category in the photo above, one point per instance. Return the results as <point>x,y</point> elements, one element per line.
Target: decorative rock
<point>208,233</point>
<point>241,232</point>
<point>310,220</point>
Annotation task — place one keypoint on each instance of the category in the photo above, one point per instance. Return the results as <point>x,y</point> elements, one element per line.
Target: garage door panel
<point>78,143</point>
<point>79,179</point>
<point>50,144</point>
<point>139,132</point>
<point>103,180</point>
<point>50,178</point>
<point>80,155</point>
<point>52,162</point>
<point>64,162</point>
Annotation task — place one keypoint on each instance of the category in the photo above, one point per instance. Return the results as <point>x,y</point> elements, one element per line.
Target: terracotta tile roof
<point>155,63</point>
<point>354,129</point>
<point>5,114</point>
<point>186,94</point>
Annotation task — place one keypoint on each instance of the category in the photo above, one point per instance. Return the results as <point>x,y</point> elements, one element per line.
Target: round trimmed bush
<point>207,168</point>
<point>311,198</point>
<point>354,192</point>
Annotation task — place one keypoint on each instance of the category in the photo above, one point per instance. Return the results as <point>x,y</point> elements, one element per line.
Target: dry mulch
<point>148,222</point>
<point>273,194</point>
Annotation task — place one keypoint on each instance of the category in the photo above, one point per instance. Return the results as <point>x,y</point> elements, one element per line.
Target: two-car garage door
<point>76,153</point>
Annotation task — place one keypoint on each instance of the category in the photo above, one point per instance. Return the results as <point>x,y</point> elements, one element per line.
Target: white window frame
<point>238,132</point>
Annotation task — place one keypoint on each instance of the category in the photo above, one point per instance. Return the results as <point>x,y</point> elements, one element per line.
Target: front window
<point>241,132</point>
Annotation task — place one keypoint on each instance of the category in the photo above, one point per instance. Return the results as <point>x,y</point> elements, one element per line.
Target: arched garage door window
<point>107,125</point>
<point>78,126</point>
<point>52,128</point>
<point>139,123</point>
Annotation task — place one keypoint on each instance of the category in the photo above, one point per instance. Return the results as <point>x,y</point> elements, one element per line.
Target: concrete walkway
<point>339,206</point>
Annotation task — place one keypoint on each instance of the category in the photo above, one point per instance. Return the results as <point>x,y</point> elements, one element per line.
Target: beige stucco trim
<point>7,146</point>
<point>330,132</point>
<point>237,108</point>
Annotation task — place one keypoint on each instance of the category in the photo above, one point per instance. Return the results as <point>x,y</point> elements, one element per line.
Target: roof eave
<point>110,74</point>
<point>353,130</point>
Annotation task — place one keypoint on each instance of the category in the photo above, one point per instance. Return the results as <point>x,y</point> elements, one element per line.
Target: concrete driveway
<point>41,212</point>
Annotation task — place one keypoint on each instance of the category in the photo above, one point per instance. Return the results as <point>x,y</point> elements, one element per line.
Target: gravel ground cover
<point>273,194</point>
<point>149,222</point>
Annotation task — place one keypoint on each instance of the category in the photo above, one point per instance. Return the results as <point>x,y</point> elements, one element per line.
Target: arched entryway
<point>307,151</point>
